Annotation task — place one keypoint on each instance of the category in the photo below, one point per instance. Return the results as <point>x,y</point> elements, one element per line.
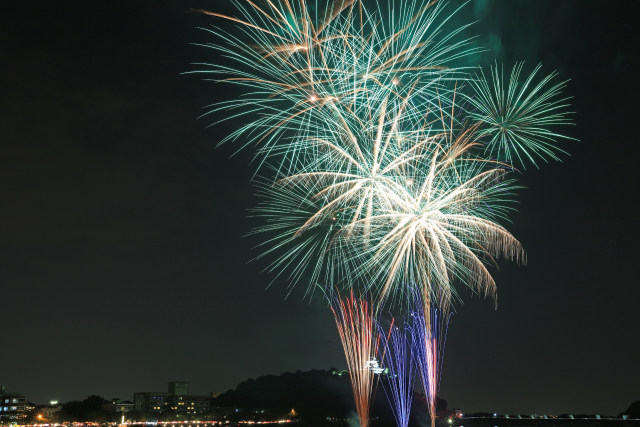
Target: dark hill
<point>315,395</point>
<point>633,411</point>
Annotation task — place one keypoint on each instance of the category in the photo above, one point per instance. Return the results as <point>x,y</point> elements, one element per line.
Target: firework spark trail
<point>429,332</point>
<point>400,364</point>
<point>355,320</point>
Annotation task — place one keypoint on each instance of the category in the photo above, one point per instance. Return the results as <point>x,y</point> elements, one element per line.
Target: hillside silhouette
<point>314,395</point>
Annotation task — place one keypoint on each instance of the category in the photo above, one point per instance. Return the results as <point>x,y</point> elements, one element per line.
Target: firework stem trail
<point>355,320</point>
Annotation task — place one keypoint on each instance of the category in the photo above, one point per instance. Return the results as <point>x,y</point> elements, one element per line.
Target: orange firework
<point>355,319</point>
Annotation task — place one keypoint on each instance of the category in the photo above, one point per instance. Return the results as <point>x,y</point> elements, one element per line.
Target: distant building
<point>456,413</point>
<point>50,411</point>
<point>176,400</point>
<point>117,405</point>
<point>150,401</point>
<point>13,406</point>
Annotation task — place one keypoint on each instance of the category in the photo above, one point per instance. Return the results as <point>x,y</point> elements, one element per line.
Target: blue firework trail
<point>400,364</point>
<point>429,333</point>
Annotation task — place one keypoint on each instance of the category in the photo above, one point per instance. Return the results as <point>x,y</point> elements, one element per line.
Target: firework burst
<point>374,178</point>
<point>373,175</point>
<point>517,120</point>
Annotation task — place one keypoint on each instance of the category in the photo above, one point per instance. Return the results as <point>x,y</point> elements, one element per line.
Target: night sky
<point>122,259</point>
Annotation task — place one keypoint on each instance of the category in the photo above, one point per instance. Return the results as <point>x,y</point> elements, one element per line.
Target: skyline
<point>129,249</point>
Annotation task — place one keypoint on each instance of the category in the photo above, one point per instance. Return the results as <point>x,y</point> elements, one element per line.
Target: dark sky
<point>122,258</point>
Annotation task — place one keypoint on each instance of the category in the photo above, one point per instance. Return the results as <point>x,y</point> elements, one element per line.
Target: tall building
<point>149,401</point>
<point>13,406</point>
<point>178,388</point>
